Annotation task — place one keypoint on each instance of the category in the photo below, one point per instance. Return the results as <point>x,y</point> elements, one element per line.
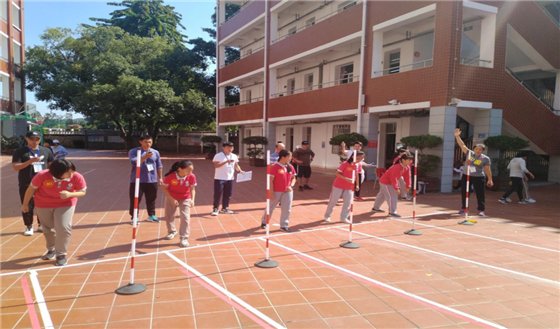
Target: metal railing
<point>475,61</point>
<point>545,96</point>
<point>413,66</point>
<point>247,101</point>
<point>350,78</point>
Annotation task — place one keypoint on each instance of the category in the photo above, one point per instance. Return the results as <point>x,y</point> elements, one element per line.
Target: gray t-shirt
<point>477,164</point>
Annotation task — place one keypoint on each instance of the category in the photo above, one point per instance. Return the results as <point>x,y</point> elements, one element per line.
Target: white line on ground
<point>45,315</point>
<point>225,292</point>
<point>530,276</point>
<point>401,292</point>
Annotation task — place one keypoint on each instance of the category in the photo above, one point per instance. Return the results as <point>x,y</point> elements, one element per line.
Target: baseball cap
<point>56,141</point>
<point>32,134</point>
<point>227,144</point>
<point>305,143</point>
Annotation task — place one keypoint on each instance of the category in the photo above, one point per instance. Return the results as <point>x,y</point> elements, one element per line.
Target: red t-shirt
<point>392,175</point>
<point>345,169</point>
<point>282,177</point>
<point>180,187</point>
<point>47,194</point>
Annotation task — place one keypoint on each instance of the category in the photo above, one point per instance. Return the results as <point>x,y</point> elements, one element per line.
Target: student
<point>303,157</point>
<point>389,184</point>
<point>151,174</point>
<point>59,151</point>
<point>225,165</point>
<point>480,173</point>
<point>282,181</point>
<point>402,186</point>
<point>179,185</point>
<point>56,192</point>
<point>517,170</point>
<point>277,148</point>
<point>28,160</point>
<point>343,186</point>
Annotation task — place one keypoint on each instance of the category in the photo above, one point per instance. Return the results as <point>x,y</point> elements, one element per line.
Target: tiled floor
<point>502,272</point>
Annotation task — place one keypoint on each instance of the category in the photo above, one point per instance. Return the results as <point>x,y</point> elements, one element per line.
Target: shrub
<point>255,151</point>
<point>348,139</point>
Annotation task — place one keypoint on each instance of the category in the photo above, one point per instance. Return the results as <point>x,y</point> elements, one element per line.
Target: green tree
<point>139,84</point>
<point>146,18</point>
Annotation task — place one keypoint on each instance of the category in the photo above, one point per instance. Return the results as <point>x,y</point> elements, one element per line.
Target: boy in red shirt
<point>343,186</point>
<point>180,189</point>
<point>389,184</point>
<point>56,192</point>
<point>282,180</point>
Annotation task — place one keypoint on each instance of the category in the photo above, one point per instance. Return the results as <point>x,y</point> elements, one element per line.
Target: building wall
<point>14,101</point>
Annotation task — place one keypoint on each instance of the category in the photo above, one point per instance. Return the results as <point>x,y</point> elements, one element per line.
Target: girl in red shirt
<point>56,192</point>
<point>180,189</point>
<point>389,184</point>
<point>343,186</point>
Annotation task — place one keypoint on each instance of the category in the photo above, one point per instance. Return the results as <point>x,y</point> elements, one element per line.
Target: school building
<point>310,70</point>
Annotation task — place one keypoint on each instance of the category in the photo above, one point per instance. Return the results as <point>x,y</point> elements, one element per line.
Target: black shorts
<point>304,171</point>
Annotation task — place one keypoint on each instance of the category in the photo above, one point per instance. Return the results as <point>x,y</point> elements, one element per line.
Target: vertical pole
<point>466,221</point>
<point>349,244</point>
<point>267,262</point>
<point>414,231</point>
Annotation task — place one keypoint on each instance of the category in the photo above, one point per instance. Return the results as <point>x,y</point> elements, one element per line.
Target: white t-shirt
<point>517,167</point>
<point>226,171</point>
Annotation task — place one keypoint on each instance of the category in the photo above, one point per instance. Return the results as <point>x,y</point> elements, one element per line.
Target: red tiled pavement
<point>503,270</point>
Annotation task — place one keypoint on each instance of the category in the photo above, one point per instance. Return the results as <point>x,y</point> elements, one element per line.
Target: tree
<point>146,18</point>
<point>139,84</point>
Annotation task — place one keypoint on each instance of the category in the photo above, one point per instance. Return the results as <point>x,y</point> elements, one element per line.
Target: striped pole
<point>413,230</point>
<point>267,262</point>
<point>134,288</point>
<point>349,244</point>
<point>466,221</point>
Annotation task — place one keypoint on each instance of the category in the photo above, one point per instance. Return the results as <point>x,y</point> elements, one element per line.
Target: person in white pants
<point>343,186</point>
<point>282,181</point>
<point>389,187</point>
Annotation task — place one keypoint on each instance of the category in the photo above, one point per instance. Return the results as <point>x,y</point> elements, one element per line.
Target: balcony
<point>337,98</point>
<point>241,112</point>
<point>246,14</point>
<point>242,66</point>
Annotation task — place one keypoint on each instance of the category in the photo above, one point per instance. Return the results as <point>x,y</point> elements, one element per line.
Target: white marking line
<point>436,305</point>
<point>40,299</point>
<point>530,276</point>
<point>479,235</point>
<point>226,292</point>
<point>87,172</point>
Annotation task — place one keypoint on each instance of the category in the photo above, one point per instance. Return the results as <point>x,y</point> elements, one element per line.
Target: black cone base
<point>131,289</point>
<point>350,245</point>
<point>267,263</point>
<point>413,232</point>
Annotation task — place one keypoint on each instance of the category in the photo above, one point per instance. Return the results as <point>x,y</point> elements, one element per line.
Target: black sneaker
<point>376,210</point>
<point>50,255</point>
<point>227,211</point>
<point>394,214</point>
<point>285,229</point>
<point>263,225</point>
<point>61,260</point>
<point>307,187</point>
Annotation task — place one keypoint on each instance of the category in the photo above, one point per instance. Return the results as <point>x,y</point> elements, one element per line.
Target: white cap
<point>56,141</point>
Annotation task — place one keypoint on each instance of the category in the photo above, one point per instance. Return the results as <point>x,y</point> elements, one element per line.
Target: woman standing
<point>56,192</point>
<point>180,189</point>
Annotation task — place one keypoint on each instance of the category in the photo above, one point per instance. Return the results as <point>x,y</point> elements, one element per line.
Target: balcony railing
<point>317,19</point>
<point>476,61</point>
<point>237,12</point>
<point>544,95</point>
<point>247,101</point>
<point>347,79</point>
<point>398,69</point>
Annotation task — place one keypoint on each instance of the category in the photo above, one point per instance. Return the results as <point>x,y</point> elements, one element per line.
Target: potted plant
<point>255,151</point>
<point>212,142</point>
<point>427,163</point>
<point>504,145</point>
<point>10,144</point>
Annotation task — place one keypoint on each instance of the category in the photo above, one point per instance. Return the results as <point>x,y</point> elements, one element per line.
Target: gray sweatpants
<point>346,195</point>
<point>389,194</point>
<point>57,227</point>
<point>285,199</point>
<point>184,216</point>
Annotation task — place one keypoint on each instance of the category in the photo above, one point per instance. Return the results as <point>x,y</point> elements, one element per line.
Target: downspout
<point>361,96</point>
<point>217,64</point>
<point>266,84</point>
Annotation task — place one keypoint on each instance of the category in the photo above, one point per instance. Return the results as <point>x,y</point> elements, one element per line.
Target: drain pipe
<point>361,95</point>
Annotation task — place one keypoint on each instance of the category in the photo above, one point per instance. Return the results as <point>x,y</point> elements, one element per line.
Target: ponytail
<point>178,165</point>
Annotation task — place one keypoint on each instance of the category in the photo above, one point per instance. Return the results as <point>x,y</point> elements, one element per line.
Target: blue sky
<point>43,14</point>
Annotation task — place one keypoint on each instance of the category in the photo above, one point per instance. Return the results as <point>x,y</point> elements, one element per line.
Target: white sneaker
<point>184,243</point>
<point>327,220</point>
<point>530,200</point>
<point>214,212</point>
<point>39,229</point>
<point>171,235</point>
<point>481,214</point>
<point>28,231</point>
<point>347,220</point>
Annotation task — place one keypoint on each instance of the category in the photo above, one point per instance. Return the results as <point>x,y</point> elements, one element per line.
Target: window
<point>292,30</point>
<point>308,82</point>
<point>17,90</point>
<point>15,16</point>
<point>345,73</point>
<point>290,86</point>
<point>3,47</point>
<point>4,85</point>
<point>338,130</point>
<point>17,53</point>
<point>4,10</point>
<point>394,62</point>
<point>248,96</point>
<point>345,5</point>
<point>310,22</point>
